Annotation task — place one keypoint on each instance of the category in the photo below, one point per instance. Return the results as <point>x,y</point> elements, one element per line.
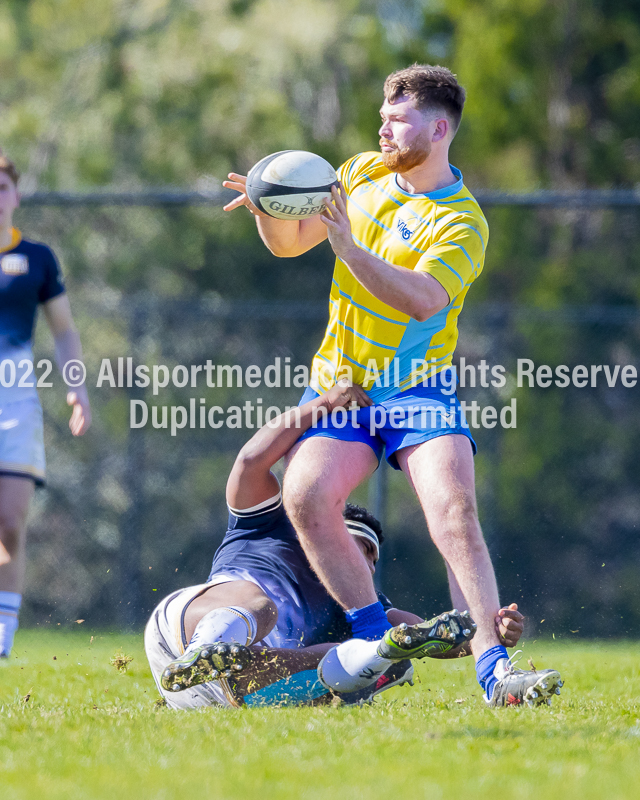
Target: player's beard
<point>409,157</point>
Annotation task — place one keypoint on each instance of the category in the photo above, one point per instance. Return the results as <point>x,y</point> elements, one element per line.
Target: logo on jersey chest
<point>14,264</point>
<point>405,230</point>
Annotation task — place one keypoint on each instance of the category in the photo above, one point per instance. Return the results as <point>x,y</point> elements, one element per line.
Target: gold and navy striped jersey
<point>443,233</point>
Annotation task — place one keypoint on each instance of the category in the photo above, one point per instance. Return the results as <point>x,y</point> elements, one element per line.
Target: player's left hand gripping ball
<point>291,185</point>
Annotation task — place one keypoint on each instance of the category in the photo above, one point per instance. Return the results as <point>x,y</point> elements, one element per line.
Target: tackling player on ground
<point>29,277</point>
<point>409,240</point>
<point>262,592</point>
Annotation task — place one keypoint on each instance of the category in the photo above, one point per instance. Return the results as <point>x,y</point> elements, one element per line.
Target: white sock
<point>9,608</point>
<point>352,665</point>
<point>229,624</point>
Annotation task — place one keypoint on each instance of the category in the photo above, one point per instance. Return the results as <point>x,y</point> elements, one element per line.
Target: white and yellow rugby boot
<point>428,639</point>
<point>208,662</point>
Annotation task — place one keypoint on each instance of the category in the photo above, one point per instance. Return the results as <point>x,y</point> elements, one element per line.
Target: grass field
<point>72,726</point>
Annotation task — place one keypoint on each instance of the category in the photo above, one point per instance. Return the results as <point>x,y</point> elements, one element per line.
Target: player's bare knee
<point>309,497</point>
<point>300,497</point>
<point>265,612</point>
<point>457,518</point>
<point>268,610</point>
<point>308,504</point>
<point>255,600</point>
<point>10,534</point>
<point>298,487</point>
<point>464,513</point>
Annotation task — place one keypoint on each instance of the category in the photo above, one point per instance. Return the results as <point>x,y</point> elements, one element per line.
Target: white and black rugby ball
<point>292,184</point>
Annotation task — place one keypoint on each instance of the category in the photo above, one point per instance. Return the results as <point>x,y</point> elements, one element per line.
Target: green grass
<point>87,731</point>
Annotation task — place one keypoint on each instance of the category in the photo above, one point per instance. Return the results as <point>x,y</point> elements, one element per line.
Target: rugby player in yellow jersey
<point>409,241</point>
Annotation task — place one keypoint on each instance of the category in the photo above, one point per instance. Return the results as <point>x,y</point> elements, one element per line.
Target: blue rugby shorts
<point>411,417</point>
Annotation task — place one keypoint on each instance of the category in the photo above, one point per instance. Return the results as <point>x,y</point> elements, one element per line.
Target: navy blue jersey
<point>263,547</point>
<point>29,275</point>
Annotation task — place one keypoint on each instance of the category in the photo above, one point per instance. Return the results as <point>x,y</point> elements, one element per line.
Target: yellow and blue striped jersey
<point>443,233</point>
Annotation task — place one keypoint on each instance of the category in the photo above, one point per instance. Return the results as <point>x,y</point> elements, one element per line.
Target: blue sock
<point>368,623</point>
<point>485,666</point>
<point>9,608</point>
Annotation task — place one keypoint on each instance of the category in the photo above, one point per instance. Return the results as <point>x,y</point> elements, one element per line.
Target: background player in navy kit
<point>261,589</point>
<point>29,277</point>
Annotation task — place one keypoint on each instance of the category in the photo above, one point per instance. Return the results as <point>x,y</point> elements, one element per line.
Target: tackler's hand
<point>509,625</point>
<point>347,395</point>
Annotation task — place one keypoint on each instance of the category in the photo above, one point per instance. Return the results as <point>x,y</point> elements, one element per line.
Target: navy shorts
<point>411,417</point>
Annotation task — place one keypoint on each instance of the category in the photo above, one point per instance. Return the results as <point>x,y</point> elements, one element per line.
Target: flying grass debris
<point>121,661</point>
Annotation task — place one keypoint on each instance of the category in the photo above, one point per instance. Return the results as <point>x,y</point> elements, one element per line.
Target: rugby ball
<point>291,184</point>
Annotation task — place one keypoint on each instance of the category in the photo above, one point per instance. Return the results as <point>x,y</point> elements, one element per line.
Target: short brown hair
<point>6,165</point>
<point>430,87</point>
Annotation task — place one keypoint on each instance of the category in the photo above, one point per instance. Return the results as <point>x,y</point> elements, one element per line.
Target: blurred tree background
<point>132,95</point>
